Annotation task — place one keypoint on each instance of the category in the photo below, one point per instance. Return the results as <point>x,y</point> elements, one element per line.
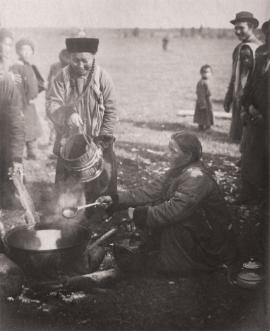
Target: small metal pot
<point>251,275</point>
<point>46,251</point>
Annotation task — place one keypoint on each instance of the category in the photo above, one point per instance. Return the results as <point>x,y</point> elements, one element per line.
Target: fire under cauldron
<point>46,251</point>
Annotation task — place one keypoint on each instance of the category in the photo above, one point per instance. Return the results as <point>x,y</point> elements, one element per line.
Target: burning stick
<point>89,281</point>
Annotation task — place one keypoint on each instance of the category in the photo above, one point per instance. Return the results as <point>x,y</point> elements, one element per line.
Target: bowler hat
<point>245,16</point>
<point>265,26</point>
<point>81,45</point>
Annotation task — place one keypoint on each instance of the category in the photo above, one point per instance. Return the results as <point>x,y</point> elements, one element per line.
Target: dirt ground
<point>149,301</point>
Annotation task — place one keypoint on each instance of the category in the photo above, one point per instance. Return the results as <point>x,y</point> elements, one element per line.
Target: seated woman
<point>184,211</point>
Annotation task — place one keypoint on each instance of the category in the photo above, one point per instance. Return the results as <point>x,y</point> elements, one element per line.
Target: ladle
<point>71,212</point>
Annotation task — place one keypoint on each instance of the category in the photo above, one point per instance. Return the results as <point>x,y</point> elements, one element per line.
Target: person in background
<point>32,83</point>
<point>244,26</point>
<point>64,60</point>
<point>11,125</point>
<point>165,43</point>
<point>247,64</point>
<point>82,100</point>
<point>255,114</point>
<point>184,212</point>
<point>203,111</point>
<point>6,40</point>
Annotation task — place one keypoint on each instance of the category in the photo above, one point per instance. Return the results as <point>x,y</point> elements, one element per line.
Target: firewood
<point>92,280</point>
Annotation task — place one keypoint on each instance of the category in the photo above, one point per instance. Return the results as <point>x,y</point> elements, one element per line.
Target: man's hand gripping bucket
<point>82,157</point>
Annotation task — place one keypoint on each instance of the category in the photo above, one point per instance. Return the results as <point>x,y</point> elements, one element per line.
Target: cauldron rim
<point>44,227</point>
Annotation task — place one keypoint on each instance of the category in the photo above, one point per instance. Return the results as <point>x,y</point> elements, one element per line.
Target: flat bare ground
<point>152,86</point>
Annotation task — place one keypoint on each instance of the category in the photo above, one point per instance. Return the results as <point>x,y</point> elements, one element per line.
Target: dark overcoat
<point>255,153</point>
<point>234,92</point>
<point>29,91</point>
<point>187,209</point>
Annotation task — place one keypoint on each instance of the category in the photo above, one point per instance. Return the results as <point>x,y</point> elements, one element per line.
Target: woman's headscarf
<point>188,143</point>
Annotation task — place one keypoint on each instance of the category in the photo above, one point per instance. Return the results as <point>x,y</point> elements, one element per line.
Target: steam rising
<point>68,194</point>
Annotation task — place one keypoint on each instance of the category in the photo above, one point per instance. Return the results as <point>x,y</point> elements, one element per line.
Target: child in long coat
<point>203,110</point>
<point>31,85</point>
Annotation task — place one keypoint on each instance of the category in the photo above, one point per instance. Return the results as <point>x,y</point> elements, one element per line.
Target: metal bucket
<point>82,158</point>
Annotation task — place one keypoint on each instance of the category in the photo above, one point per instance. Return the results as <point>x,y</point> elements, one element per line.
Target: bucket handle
<point>85,136</point>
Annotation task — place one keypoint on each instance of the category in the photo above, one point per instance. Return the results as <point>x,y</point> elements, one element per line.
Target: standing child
<point>32,83</point>
<point>203,111</point>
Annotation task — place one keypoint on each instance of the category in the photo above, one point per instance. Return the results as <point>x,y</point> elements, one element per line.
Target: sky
<point>127,13</point>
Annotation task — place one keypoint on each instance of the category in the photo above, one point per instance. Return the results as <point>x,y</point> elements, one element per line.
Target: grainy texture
<point>152,87</point>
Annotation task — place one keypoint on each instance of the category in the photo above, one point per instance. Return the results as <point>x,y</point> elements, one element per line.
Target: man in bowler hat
<point>244,26</point>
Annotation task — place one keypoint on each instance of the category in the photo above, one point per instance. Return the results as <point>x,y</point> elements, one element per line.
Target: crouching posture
<point>183,211</point>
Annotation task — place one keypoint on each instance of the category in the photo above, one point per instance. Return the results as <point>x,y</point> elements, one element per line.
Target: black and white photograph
<point>134,165</point>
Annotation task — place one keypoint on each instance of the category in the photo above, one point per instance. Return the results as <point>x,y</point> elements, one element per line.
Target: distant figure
<point>64,60</point>
<point>81,33</point>
<point>203,111</point>
<point>165,42</point>
<point>244,26</point>
<point>32,83</point>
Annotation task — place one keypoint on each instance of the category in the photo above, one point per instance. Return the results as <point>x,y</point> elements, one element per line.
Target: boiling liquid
<point>48,239</point>
<point>37,240</point>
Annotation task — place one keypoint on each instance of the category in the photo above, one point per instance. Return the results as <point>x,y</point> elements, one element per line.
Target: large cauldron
<point>47,251</point>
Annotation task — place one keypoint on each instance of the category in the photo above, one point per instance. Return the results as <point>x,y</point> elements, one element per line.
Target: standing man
<point>244,27</point>
<point>11,125</point>
<point>255,165</point>
<point>82,98</point>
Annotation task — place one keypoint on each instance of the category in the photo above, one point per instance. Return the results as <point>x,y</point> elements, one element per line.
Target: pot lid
<point>251,265</point>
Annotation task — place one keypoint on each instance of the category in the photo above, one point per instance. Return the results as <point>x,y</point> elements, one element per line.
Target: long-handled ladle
<point>71,212</point>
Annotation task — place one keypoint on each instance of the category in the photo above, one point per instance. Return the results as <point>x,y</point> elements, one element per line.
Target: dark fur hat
<point>81,45</point>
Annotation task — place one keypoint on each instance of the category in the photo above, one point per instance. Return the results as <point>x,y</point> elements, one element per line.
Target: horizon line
<point>115,28</point>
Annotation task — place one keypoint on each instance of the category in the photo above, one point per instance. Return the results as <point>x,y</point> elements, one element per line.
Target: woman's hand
<point>105,200</point>
<point>75,121</point>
